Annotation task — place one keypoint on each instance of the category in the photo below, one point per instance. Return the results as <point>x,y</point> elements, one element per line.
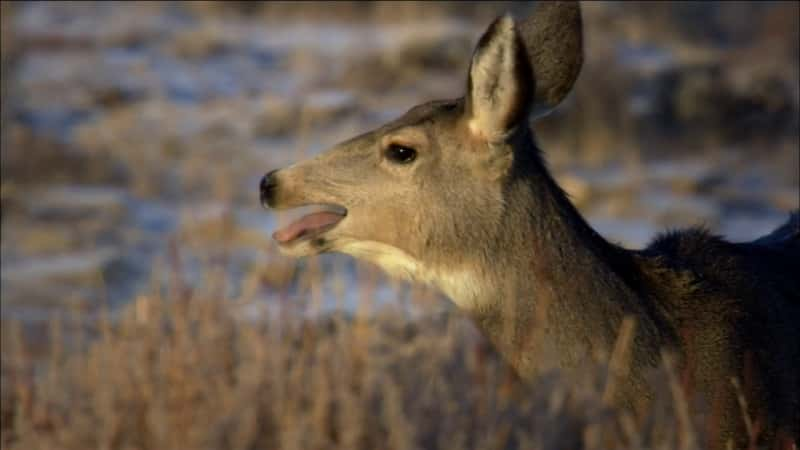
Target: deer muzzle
<point>316,218</point>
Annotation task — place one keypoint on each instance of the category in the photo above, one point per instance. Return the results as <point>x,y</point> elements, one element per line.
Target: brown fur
<point>478,215</point>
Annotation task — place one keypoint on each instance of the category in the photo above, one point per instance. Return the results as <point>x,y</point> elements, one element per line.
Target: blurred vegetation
<point>184,373</point>
<point>730,80</point>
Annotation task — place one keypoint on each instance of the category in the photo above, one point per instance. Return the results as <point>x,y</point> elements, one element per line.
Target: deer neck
<point>547,289</point>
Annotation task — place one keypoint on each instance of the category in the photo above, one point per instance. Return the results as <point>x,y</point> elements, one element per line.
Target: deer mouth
<point>322,219</point>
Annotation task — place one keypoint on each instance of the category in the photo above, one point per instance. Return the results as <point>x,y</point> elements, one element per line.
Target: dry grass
<point>186,373</point>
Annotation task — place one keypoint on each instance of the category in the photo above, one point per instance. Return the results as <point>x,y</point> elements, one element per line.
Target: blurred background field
<point>134,136</point>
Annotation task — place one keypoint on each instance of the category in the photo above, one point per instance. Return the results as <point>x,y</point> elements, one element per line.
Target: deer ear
<point>500,84</point>
<point>553,37</point>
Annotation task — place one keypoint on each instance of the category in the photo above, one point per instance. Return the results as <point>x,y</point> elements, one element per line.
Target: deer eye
<point>400,154</point>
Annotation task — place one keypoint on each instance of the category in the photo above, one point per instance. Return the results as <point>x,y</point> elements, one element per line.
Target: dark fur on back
<point>735,309</point>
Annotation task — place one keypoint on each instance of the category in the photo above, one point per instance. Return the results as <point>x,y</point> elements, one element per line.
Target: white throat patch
<point>460,286</point>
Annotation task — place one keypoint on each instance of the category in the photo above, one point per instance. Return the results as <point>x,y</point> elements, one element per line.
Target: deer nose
<point>267,188</point>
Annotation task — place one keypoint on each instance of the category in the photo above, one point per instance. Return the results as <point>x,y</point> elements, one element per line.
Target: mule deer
<point>455,194</point>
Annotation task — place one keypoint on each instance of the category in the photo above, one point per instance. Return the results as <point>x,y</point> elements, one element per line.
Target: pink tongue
<point>306,224</point>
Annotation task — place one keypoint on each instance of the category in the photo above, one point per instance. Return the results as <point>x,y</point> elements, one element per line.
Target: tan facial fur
<point>422,220</point>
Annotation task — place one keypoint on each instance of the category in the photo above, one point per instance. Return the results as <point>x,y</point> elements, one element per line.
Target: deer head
<point>438,193</point>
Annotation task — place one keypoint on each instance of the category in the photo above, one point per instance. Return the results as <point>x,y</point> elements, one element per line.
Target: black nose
<point>267,188</point>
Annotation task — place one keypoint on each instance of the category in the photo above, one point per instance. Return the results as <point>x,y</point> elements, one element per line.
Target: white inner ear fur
<point>494,87</point>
